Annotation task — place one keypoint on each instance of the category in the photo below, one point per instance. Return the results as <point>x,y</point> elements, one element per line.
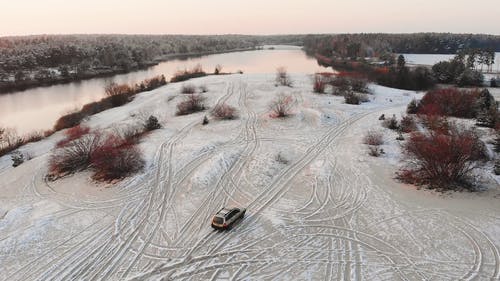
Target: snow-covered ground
<point>329,212</point>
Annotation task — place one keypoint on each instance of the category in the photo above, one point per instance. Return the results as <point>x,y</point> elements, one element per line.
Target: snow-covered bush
<point>373,138</point>
<point>224,112</point>
<point>17,158</point>
<point>191,104</point>
<point>152,124</point>
<point>352,98</point>
<point>391,123</point>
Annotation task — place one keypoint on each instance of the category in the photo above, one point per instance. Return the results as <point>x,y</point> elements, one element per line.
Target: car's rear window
<point>218,220</point>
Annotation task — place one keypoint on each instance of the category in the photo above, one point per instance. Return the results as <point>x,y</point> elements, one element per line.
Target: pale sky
<point>22,17</point>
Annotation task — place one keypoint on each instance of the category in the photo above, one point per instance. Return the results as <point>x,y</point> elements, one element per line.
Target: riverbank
<point>7,87</point>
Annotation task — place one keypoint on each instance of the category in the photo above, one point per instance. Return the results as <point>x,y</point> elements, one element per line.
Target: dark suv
<point>225,218</point>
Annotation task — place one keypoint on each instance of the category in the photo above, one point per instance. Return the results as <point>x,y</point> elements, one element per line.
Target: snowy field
<point>330,212</point>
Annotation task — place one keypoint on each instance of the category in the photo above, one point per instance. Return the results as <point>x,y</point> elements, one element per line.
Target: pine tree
<point>412,107</point>
<point>487,109</point>
<point>496,144</point>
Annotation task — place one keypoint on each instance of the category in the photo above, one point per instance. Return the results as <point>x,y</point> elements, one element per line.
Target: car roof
<point>224,211</point>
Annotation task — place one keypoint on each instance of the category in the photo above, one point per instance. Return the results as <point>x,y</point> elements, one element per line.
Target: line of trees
<point>38,60</point>
<point>378,44</point>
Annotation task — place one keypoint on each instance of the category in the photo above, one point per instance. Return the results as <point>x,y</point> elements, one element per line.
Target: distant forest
<point>373,44</point>
<point>29,61</point>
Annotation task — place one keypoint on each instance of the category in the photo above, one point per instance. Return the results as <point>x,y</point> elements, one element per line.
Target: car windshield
<point>218,220</point>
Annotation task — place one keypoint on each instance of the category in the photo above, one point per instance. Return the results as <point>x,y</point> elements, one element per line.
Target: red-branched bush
<point>319,83</point>
<point>115,158</point>
<point>110,157</point>
<point>73,134</point>
<point>442,159</point>
<point>281,106</point>
<point>69,120</point>
<point>224,112</point>
<point>449,102</point>
<point>183,75</point>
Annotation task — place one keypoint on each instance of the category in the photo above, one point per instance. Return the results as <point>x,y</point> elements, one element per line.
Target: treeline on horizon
<point>44,59</point>
<point>30,61</point>
<point>378,44</point>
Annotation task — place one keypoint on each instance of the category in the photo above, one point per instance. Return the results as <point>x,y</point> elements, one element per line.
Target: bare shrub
<point>9,140</point>
<point>75,155</point>
<point>205,120</point>
<point>319,83</point>
<point>188,89</point>
<point>352,98</point>
<point>113,89</point>
<point>218,69</point>
<point>281,159</point>
<point>443,159</point>
<point>282,105</point>
<point>375,151</point>
<point>340,82</point>
<point>373,138</point>
<point>115,158</point>
<point>282,77</point>
<point>110,157</point>
<point>191,104</point>
<point>132,134</point>
<point>203,88</point>
<point>183,75</point>
<point>391,123</point>
<point>224,112</point>
<point>359,85</point>
<point>408,124</point>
